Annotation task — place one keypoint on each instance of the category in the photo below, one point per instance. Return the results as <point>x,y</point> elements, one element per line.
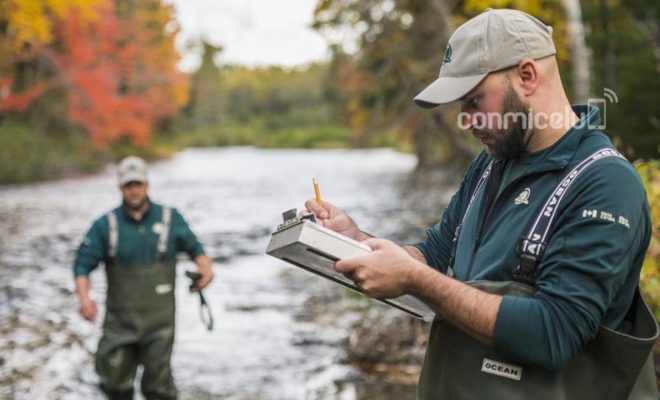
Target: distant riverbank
<point>29,154</point>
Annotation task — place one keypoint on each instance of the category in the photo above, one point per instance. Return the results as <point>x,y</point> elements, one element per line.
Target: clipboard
<point>302,242</point>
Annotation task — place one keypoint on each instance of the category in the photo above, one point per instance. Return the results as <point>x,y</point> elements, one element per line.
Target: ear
<point>527,76</point>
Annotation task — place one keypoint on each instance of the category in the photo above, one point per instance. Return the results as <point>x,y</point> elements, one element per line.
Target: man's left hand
<point>205,269</point>
<point>384,273</point>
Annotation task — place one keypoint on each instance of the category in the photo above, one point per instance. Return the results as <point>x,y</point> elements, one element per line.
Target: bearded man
<point>533,268</point>
<point>138,242</point>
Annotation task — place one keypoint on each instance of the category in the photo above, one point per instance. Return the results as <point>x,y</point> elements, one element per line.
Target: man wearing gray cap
<point>138,243</point>
<point>533,268</point>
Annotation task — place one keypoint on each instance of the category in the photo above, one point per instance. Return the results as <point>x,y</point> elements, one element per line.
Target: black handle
<point>204,310</point>
<point>194,277</point>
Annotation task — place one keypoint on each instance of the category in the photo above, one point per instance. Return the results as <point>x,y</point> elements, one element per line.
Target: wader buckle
<point>526,271</point>
<point>530,253</point>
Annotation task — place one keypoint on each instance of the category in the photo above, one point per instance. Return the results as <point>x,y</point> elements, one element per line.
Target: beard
<point>135,204</point>
<point>510,141</point>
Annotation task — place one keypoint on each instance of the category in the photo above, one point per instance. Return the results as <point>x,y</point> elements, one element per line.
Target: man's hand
<point>205,269</point>
<point>384,273</point>
<point>335,219</point>
<point>88,309</point>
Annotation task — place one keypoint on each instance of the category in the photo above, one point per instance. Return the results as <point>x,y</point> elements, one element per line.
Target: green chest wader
<point>139,324</point>
<point>615,365</point>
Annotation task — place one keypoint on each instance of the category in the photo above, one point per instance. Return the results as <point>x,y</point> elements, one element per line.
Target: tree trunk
<point>580,53</point>
<point>652,25</point>
<point>438,20</point>
<point>608,50</point>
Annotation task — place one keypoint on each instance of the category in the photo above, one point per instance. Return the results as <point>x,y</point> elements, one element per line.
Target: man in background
<point>138,243</point>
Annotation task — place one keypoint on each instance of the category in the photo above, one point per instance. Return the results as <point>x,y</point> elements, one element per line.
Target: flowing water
<point>265,345</point>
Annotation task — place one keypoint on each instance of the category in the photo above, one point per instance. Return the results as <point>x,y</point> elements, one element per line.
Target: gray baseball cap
<point>491,41</point>
<point>132,169</point>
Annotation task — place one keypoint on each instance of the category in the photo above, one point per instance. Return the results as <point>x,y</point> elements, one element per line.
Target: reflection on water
<point>261,348</point>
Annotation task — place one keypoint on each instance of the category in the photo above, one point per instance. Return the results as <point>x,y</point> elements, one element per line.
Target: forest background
<point>85,82</point>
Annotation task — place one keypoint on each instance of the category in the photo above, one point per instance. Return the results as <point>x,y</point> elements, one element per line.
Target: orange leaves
<point>121,73</point>
<point>18,102</point>
<point>88,62</point>
<point>114,63</point>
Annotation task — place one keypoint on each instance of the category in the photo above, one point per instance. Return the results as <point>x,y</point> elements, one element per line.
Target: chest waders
<point>139,322</point>
<point>457,367</point>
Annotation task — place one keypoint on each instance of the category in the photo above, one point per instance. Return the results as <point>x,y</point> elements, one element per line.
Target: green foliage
<point>27,154</point>
<point>650,279</point>
<point>206,99</point>
<point>272,90</point>
<point>267,107</point>
<point>626,57</point>
<point>298,128</point>
<point>400,46</point>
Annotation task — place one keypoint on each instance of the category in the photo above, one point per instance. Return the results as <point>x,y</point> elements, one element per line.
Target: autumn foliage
<point>650,280</point>
<point>113,62</point>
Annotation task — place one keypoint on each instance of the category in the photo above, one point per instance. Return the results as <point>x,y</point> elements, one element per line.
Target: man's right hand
<point>88,309</point>
<point>335,219</point>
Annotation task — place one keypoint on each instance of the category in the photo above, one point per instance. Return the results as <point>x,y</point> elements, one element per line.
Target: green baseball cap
<point>491,41</point>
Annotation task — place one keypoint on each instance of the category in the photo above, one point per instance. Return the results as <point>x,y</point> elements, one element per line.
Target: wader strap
<point>532,246</point>
<point>164,233</point>
<point>114,234</point>
<point>477,189</point>
<point>457,232</point>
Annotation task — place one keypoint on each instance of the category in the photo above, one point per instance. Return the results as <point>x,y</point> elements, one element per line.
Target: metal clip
<point>291,217</point>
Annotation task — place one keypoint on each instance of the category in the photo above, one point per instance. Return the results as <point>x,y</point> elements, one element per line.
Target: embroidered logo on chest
<point>523,197</point>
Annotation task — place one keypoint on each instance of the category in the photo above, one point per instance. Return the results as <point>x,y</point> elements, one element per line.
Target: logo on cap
<point>447,54</point>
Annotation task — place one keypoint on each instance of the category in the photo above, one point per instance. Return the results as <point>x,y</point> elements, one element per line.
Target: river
<point>264,345</point>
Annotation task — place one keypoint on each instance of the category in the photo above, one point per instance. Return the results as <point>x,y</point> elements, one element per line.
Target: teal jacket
<point>138,240</point>
<point>592,261</point>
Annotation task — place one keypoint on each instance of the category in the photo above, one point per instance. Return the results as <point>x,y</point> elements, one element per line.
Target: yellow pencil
<point>317,192</point>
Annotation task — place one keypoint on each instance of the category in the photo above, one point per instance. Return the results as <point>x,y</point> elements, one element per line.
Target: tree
<point>399,47</point>
<point>399,51</point>
<point>580,53</point>
<point>117,70</point>
<point>25,28</point>
<point>205,107</point>
<point>626,72</point>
